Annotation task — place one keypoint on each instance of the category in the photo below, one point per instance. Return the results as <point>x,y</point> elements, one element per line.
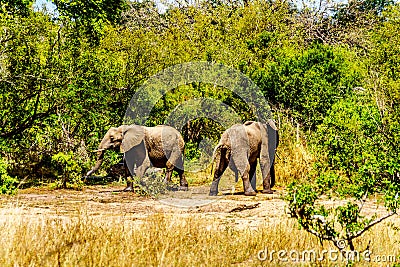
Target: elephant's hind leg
<point>268,179</point>
<point>222,163</point>
<point>248,189</point>
<point>178,167</point>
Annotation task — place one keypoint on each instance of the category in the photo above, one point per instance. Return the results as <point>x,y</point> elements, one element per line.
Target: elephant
<point>239,148</point>
<point>161,146</point>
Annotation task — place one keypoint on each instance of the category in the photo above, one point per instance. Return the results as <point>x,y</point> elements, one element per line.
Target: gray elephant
<point>161,146</point>
<point>239,148</point>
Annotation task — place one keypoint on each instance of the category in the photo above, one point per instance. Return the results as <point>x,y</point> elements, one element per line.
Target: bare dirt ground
<point>109,201</point>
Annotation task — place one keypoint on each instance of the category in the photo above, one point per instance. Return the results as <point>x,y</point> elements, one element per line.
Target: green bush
<point>151,184</point>
<point>308,83</point>
<point>7,183</point>
<point>356,160</point>
<point>68,169</point>
<point>352,140</point>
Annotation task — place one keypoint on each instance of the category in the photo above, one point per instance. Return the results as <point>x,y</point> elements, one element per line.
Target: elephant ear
<point>273,137</point>
<point>269,143</point>
<point>133,136</point>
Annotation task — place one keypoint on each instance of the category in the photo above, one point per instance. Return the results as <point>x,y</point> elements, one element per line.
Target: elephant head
<point>123,138</point>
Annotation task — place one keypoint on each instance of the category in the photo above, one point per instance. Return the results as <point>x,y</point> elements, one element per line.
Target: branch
<point>370,225</point>
<point>26,124</point>
<point>362,200</point>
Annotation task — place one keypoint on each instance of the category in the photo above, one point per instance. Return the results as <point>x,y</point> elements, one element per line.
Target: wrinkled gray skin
<point>144,147</point>
<point>239,148</point>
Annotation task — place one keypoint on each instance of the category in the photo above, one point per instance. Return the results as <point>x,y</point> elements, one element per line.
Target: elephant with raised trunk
<point>239,148</point>
<point>161,146</point>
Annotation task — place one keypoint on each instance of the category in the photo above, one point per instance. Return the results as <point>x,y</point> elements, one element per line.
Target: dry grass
<point>294,161</point>
<point>160,240</point>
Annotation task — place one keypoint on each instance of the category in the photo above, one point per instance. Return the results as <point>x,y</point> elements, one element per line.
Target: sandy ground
<point>109,201</point>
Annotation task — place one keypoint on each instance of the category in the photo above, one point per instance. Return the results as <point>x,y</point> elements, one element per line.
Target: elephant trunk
<point>100,156</point>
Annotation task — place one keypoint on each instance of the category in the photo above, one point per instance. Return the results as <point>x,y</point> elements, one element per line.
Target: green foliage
<point>191,151</point>
<point>341,224</point>
<point>7,183</point>
<point>45,75</point>
<point>68,170</point>
<point>384,75</point>
<point>90,16</point>
<point>357,161</point>
<point>151,185</point>
<point>19,7</point>
<point>308,83</point>
<point>353,143</point>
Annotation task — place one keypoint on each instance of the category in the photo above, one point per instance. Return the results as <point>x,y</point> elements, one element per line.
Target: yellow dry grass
<point>294,160</point>
<point>167,240</point>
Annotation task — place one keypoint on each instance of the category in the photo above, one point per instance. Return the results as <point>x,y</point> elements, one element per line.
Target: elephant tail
<point>220,150</point>
<point>216,153</point>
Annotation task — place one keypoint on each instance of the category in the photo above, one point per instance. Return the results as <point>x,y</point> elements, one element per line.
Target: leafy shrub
<point>307,83</point>
<point>355,161</point>
<point>353,141</point>
<point>151,184</point>
<point>7,183</point>
<point>68,169</point>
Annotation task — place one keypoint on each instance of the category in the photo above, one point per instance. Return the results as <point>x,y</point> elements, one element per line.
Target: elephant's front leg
<point>141,169</point>
<point>248,189</point>
<point>175,162</point>
<point>129,182</point>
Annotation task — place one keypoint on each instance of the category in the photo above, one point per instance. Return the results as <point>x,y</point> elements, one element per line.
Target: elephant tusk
<point>98,150</point>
